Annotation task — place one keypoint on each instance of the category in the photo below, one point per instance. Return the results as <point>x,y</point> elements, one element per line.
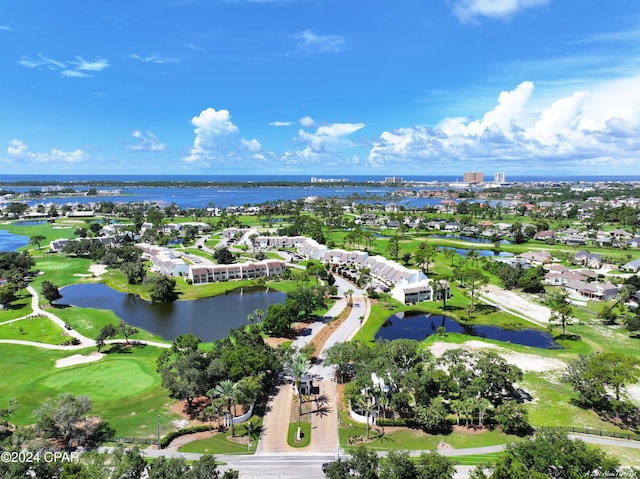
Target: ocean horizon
<point>64,178</point>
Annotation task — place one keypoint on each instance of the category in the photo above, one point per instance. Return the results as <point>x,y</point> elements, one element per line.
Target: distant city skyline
<point>216,87</point>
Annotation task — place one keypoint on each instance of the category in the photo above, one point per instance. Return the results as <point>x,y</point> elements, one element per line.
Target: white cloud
<point>217,140</point>
<point>72,68</point>
<point>586,128</point>
<point>96,65</point>
<point>19,150</point>
<point>313,43</point>
<point>330,136</point>
<point>74,74</point>
<point>281,123</point>
<point>469,10</point>
<point>251,145</point>
<point>153,58</point>
<point>148,142</point>
<point>307,122</point>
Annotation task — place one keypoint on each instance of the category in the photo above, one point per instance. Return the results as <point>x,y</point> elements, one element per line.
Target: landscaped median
<point>244,442</point>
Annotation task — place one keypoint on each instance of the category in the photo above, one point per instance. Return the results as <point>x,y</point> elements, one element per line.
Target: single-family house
<point>632,265</point>
<point>537,257</point>
<point>590,260</point>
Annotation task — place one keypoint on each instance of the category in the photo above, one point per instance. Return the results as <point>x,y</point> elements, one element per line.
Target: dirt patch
<point>516,304</point>
<point>634,393</point>
<point>198,405</point>
<point>323,335</point>
<point>470,430</point>
<point>78,359</point>
<point>275,342</point>
<point>526,362</point>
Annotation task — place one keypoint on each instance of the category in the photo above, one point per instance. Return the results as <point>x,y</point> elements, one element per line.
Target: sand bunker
<point>78,359</point>
<point>97,269</point>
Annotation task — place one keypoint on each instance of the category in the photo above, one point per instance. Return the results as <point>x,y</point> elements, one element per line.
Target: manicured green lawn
<point>18,308</point>
<point>552,404</point>
<point>124,388</point>
<point>40,329</point>
<point>60,270</point>
<point>219,444</point>
<point>89,322</point>
<point>305,429</point>
<point>417,440</point>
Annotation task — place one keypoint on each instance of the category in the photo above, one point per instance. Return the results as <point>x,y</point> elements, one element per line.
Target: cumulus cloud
<point>281,123</point>
<point>470,10</point>
<point>307,122</point>
<point>329,136</point>
<point>146,142</point>
<point>18,150</point>
<point>76,68</point>
<point>217,139</point>
<point>251,145</point>
<point>585,128</point>
<point>310,42</point>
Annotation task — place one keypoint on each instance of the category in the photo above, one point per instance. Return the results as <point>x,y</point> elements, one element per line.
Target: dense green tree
<point>65,418</point>
<point>590,377</point>
<point>126,330</point>
<point>7,295</point>
<point>223,256</point>
<point>307,299</point>
<point>397,465</point>
<point>135,271</point>
<point>184,369</point>
<point>108,331</point>
<point>162,289</point>
<point>553,454</point>
<point>50,291</point>
<point>433,417</point>
<point>37,240</point>
<point>431,465</point>
<point>512,418</point>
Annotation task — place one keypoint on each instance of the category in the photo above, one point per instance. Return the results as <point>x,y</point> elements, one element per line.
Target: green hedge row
<point>412,423</point>
<point>166,440</point>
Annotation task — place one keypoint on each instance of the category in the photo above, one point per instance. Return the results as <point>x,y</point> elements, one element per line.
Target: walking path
<point>85,342</point>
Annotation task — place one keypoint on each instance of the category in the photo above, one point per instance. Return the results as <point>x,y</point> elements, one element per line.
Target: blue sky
<point>425,87</point>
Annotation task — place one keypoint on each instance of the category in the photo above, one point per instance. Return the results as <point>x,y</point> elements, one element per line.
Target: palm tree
<point>299,366</point>
<point>483,405</point>
<point>227,391</point>
<point>258,315</point>
<point>469,406</point>
<point>365,404</point>
<point>349,293</point>
<point>458,407</point>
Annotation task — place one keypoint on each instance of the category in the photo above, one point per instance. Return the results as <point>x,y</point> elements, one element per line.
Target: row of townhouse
<point>212,273</point>
<point>164,260</point>
<point>408,285</point>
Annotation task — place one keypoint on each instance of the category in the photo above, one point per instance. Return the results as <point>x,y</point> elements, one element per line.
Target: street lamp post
<point>158,429</point>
